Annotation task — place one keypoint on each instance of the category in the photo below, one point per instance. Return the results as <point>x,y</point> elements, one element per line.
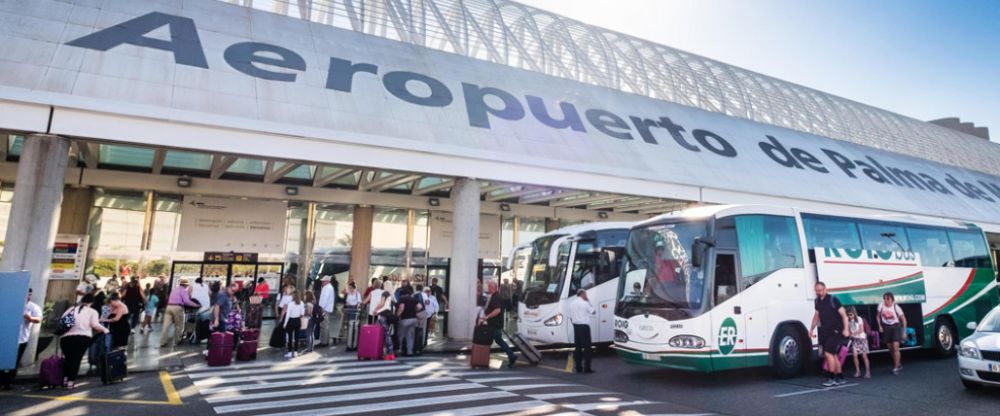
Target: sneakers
<point>510,362</point>
<point>390,357</point>
<point>840,381</point>
<point>829,383</point>
<point>895,371</point>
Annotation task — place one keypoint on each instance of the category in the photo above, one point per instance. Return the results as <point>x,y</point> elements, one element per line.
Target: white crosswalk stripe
<point>421,386</point>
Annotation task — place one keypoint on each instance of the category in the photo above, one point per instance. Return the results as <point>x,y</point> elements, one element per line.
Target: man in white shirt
<point>580,311</point>
<point>85,287</point>
<point>32,315</point>
<point>327,299</point>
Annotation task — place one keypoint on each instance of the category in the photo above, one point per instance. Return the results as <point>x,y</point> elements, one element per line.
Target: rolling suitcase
<point>100,346</point>
<point>220,349</point>
<point>277,336</point>
<point>247,347</point>
<point>480,357</point>
<point>482,335</point>
<point>418,340</point>
<point>371,342</point>
<point>255,314</point>
<point>112,366</point>
<point>352,335</point>
<point>528,351</point>
<point>841,354</point>
<point>51,372</point>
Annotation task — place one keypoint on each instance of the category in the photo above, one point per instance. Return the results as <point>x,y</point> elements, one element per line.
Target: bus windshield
<point>543,284</point>
<point>658,275</point>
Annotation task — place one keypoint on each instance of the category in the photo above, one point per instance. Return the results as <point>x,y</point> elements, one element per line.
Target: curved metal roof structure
<point>509,33</point>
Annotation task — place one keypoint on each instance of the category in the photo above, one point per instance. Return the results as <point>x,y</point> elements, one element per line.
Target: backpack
<point>317,314</point>
<point>66,323</point>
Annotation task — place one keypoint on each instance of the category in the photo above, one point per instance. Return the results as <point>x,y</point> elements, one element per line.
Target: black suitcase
<point>100,346</point>
<point>277,336</point>
<point>112,366</point>
<point>352,335</point>
<point>528,351</point>
<point>418,340</point>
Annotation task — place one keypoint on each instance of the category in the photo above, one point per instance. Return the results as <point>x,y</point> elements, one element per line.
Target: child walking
<point>859,341</point>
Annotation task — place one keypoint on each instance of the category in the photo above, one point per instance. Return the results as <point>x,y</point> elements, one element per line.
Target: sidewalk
<point>144,353</point>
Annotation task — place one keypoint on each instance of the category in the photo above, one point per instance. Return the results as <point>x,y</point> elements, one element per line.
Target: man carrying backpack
<point>833,331</point>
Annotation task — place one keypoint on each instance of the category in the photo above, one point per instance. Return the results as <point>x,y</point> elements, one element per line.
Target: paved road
<point>927,386</point>
<point>338,384</point>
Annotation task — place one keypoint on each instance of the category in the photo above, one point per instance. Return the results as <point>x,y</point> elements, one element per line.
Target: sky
<point>924,59</point>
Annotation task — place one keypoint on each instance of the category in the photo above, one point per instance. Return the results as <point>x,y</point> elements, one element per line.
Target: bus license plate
<point>650,357</point>
<point>532,332</point>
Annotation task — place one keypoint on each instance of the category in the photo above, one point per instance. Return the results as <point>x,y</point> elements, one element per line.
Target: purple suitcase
<point>51,372</point>
<point>371,342</point>
<point>220,349</point>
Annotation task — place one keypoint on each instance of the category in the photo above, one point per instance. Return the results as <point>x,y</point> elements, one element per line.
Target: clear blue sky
<point>923,59</point>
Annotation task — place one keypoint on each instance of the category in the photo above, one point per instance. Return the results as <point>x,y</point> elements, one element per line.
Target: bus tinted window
<point>931,244</point>
<point>831,233</point>
<point>969,249</point>
<point>767,243</point>
<point>873,239</point>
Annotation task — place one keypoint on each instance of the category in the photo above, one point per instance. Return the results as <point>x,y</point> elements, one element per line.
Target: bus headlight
<point>687,341</point>
<point>621,336</point>
<point>554,321</point>
<point>969,350</point>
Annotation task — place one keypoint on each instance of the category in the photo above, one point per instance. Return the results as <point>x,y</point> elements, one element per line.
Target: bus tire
<point>944,337</point>
<point>788,352</point>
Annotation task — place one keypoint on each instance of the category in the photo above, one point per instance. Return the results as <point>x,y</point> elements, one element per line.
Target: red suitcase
<point>371,342</point>
<point>249,335</point>
<point>220,349</point>
<point>480,357</point>
<point>51,372</point>
<point>247,351</point>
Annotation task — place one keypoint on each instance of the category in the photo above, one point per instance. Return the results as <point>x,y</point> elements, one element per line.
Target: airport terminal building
<point>361,138</point>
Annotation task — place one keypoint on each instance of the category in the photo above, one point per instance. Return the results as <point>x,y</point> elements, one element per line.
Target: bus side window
<point>969,249</point>
<point>609,263</point>
<point>725,277</point>
<point>932,245</point>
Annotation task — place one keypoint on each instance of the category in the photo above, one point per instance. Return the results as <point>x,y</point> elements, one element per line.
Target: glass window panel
<point>15,144</point>
<point>389,237</point>
<point>247,167</point>
<point>831,233</point>
<point>871,235</point>
<point>421,232</point>
<point>969,249</point>
<point>301,172</point>
<point>126,155</point>
<point>766,243</point>
<point>530,229</point>
<point>506,236</point>
<point>931,244</point>
<point>187,160</point>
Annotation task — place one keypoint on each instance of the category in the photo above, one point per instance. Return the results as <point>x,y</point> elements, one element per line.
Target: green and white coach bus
<point>723,287</point>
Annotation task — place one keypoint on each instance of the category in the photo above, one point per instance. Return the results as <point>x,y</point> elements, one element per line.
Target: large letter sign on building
<point>308,84</point>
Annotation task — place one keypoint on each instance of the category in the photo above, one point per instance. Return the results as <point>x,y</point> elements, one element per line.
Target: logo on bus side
<point>727,336</point>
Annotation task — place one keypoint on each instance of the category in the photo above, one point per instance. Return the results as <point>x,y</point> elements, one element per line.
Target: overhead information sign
<point>202,62</point>
<point>224,224</point>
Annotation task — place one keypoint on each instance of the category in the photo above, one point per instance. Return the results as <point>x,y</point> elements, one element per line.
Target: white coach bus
<point>585,256</point>
<point>722,287</point>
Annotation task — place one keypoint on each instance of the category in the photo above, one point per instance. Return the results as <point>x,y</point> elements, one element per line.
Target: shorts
<point>859,345</point>
<point>831,342</point>
<point>892,333</point>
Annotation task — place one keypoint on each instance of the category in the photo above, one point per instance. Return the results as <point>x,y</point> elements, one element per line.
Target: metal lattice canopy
<point>513,34</point>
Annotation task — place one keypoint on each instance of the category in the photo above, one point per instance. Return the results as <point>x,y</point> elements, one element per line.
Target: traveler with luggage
<point>580,311</point>
<point>386,319</point>
<point>222,306</point>
<point>77,337</point>
<point>118,321</point>
<point>833,332</point>
<point>892,323</point>
<point>291,320</point>
<point>493,319</point>
<point>859,341</point>
<point>310,304</point>
<point>352,302</point>
<point>327,303</point>
<point>431,308</point>
<point>132,298</point>
<point>373,300</point>
<point>174,315</point>
<point>407,312</point>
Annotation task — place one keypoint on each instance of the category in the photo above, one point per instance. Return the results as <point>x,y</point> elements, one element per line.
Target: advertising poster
<point>226,224</point>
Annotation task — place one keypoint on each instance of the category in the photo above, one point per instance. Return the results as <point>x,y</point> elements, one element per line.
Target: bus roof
<point>590,226</point>
<point>714,210</point>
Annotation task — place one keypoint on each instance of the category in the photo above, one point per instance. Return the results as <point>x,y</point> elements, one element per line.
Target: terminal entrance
<point>225,268</point>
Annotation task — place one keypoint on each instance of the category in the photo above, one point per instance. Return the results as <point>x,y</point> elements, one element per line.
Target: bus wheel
<point>788,352</point>
<point>944,338</point>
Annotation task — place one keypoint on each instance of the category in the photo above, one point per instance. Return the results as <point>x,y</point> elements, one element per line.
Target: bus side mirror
<point>698,249</point>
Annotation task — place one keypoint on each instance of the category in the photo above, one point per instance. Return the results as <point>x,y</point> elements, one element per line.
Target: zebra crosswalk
<point>316,386</point>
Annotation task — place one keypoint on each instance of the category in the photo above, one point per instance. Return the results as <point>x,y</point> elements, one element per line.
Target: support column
<point>361,245</point>
<point>307,241</point>
<point>34,215</point>
<point>551,224</point>
<point>74,218</point>
<point>464,259</point>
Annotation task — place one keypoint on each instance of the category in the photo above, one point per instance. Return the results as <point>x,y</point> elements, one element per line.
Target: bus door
<point>582,275</point>
<point>729,325</point>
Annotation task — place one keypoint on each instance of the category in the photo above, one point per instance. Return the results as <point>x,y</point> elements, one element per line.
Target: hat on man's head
<point>184,281</point>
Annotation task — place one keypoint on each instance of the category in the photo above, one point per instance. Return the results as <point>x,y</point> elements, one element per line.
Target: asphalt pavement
<point>335,383</point>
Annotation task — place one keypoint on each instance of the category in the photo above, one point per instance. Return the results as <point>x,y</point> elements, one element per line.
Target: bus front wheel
<point>788,352</point>
<point>944,337</point>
